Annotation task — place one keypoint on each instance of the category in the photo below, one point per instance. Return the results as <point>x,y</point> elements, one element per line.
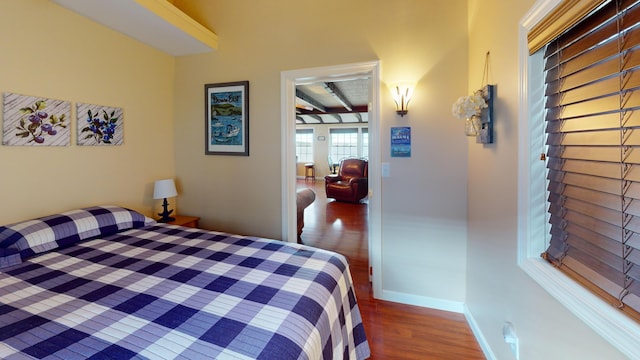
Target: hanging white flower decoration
<point>468,106</point>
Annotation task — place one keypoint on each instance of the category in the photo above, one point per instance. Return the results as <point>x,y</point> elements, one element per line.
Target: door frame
<point>288,81</point>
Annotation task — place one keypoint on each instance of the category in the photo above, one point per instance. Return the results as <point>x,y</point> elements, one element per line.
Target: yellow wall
<point>48,51</point>
<point>424,200</point>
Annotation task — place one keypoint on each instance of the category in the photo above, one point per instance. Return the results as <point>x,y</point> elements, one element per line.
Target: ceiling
<point>164,26</point>
<point>157,23</point>
<point>333,102</point>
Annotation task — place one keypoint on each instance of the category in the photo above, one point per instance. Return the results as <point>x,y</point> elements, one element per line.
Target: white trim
<point>288,151</point>
<point>424,301</point>
<point>477,333</point>
<point>618,329</point>
<point>288,82</point>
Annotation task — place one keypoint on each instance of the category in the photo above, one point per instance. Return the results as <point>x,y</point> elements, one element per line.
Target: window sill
<point>607,321</point>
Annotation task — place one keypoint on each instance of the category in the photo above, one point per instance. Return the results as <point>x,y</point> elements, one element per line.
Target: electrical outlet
<point>511,338</point>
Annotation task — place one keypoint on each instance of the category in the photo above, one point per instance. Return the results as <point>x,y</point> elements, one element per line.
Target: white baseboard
<point>424,301</point>
<point>482,341</point>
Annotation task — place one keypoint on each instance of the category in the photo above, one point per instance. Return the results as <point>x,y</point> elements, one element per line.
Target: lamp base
<point>165,213</point>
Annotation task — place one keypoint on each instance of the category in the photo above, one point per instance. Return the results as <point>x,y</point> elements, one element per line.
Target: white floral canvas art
<point>35,121</point>
<point>99,125</point>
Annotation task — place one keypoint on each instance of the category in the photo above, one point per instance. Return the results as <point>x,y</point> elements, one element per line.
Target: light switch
<point>386,170</point>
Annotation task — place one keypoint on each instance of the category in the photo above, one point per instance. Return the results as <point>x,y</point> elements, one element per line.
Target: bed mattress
<point>169,292</point>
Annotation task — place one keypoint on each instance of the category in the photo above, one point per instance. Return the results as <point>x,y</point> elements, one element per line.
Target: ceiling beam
<point>333,90</point>
<point>317,117</point>
<point>309,100</point>
<point>336,110</point>
<point>337,116</point>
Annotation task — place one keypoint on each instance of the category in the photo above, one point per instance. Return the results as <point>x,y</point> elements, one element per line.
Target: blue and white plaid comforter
<point>165,292</point>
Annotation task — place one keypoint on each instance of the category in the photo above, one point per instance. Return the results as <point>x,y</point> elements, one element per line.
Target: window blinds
<point>563,17</point>
<point>593,135</point>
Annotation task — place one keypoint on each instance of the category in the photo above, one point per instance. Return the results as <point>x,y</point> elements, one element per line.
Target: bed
<point>107,282</point>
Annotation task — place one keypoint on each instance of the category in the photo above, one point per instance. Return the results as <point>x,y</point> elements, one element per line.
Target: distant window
<point>304,145</point>
<point>349,143</point>
<point>365,143</point>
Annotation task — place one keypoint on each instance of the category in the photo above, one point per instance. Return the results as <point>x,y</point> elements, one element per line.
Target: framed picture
<point>35,121</point>
<point>227,118</point>
<point>401,141</point>
<point>99,125</point>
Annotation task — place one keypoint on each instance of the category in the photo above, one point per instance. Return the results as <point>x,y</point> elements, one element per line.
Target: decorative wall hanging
<point>477,110</point>
<point>35,121</point>
<point>99,125</point>
<point>227,118</point>
<point>485,129</point>
<point>401,141</point>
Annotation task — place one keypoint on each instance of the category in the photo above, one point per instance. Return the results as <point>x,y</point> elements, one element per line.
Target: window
<point>304,145</point>
<point>593,157</point>
<point>583,114</point>
<point>349,143</point>
<point>365,142</point>
<point>344,143</point>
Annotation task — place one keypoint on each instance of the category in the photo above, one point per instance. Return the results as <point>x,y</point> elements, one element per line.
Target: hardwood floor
<point>394,331</point>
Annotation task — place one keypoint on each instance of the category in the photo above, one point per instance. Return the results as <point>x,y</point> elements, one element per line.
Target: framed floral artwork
<point>99,125</point>
<point>227,118</point>
<point>35,121</point>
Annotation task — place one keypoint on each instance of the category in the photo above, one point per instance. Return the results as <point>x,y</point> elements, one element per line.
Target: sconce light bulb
<point>401,98</point>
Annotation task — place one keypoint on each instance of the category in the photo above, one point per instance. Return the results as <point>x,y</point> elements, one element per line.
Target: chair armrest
<point>332,178</point>
<point>358,180</point>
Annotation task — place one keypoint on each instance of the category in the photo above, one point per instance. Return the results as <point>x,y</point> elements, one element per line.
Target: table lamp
<point>164,189</point>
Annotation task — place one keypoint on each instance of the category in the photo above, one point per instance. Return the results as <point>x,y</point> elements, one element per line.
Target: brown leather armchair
<point>351,184</point>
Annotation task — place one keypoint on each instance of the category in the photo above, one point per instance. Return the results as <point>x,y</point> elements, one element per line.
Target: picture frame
<point>401,141</point>
<point>35,121</point>
<point>227,118</point>
<point>99,125</point>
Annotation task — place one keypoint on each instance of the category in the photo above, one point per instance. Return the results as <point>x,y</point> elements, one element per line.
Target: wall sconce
<point>164,189</point>
<point>401,95</point>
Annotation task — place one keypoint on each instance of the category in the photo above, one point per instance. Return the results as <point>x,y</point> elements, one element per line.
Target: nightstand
<point>188,221</point>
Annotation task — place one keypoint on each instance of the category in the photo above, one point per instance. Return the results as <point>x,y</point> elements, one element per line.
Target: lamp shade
<point>164,189</point>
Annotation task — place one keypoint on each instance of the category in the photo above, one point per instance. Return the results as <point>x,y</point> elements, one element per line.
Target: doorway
<point>289,80</point>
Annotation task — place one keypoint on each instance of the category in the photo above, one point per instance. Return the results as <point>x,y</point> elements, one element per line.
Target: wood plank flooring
<point>394,331</point>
